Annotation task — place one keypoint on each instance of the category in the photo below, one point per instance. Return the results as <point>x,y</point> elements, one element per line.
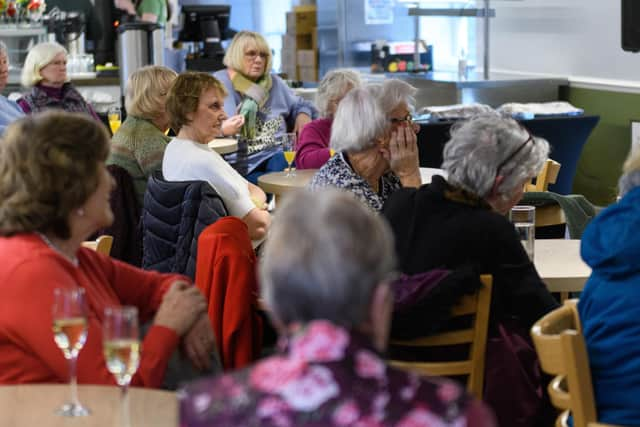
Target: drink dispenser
<point>139,44</point>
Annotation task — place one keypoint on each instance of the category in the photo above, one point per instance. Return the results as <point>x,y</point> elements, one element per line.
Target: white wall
<point>579,39</point>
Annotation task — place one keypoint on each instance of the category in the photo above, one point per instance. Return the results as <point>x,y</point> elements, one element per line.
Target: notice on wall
<point>378,12</point>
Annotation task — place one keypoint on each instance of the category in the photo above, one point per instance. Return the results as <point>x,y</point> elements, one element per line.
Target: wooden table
<point>427,173</point>
<point>35,404</point>
<point>224,145</point>
<point>559,264</point>
<point>279,183</point>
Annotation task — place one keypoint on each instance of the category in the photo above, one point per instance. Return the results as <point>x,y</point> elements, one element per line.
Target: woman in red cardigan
<point>55,191</point>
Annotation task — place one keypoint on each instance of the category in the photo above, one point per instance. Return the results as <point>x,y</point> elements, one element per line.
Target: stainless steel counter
<point>446,88</point>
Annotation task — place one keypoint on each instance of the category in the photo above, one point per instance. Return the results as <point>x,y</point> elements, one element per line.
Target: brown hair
<point>48,168</point>
<point>184,96</point>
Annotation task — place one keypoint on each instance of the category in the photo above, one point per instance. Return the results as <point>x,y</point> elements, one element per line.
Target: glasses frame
<point>514,153</point>
<point>253,54</point>
<point>406,119</point>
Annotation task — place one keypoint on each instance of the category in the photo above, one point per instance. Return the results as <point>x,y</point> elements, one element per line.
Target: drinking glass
<point>121,345</point>
<point>524,220</point>
<point>70,333</point>
<point>115,118</point>
<point>332,152</point>
<point>289,150</point>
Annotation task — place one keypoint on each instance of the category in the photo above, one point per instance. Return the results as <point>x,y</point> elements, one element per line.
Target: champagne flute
<point>115,118</point>
<point>289,150</point>
<point>121,345</point>
<point>70,333</point>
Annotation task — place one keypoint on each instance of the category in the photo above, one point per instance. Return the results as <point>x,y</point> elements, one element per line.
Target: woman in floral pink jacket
<point>328,295</point>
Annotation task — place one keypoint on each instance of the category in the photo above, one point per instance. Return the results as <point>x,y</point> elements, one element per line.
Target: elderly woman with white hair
<point>260,105</point>
<point>9,110</point>
<point>376,154</point>
<point>45,73</point>
<point>461,220</point>
<point>313,150</point>
<point>138,145</point>
<point>329,297</point>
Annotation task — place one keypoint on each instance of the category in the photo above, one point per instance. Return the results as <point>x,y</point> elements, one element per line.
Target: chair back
<point>562,352</point>
<point>548,175</point>
<point>101,245</point>
<point>477,306</point>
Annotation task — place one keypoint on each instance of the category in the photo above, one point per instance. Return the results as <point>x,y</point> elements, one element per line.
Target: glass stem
<point>125,420</point>
<point>73,381</point>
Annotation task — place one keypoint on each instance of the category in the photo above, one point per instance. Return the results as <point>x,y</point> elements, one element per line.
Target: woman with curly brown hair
<point>55,191</point>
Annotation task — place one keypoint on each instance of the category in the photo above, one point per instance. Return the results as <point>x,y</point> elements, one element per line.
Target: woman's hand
<point>403,156</point>
<point>126,5</point>
<point>181,306</point>
<point>232,125</point>
<point>199,343</point>
<point>301,120</point>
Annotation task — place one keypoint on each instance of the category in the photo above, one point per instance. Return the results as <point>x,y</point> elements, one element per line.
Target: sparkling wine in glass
<point>121,345</point>
<point>289,150</point>
<point>114,116</point>
<point>70,333</point>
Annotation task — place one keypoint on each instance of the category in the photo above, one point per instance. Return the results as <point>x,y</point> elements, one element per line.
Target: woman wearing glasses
<point>260,105</point>
<point>375,142</point>
<point>461,221</point>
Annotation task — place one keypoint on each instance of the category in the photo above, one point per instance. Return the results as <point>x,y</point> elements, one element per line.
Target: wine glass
<point>70,333</point>
<point>115,118</point>
<point>121,345</point>
<point>289,150</point>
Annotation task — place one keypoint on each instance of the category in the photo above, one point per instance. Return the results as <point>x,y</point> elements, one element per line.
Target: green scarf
<point>255,95</point>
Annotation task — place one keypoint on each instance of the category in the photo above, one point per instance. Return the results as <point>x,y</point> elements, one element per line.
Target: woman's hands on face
<point>232,125</point>
<point>181,306</point>
<point>301,120</point>
<point>402,154</point>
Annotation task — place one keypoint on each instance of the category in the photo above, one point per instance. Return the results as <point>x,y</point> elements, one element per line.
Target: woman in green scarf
<point>260,105</point>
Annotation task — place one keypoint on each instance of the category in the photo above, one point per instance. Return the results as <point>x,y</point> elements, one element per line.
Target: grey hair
<point>344,253</point>
<point>39,56</point>
<point>479,145</point>
<point>335,84</point>
<point>395,92</point>
<point>3,49</point>
<point>358,122</point>
<point>631,173</point>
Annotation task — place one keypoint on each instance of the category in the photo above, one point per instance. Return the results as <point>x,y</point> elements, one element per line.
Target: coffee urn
<point>139,44</point>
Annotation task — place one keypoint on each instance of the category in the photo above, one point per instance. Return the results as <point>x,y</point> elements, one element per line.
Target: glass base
<point>73,410</point>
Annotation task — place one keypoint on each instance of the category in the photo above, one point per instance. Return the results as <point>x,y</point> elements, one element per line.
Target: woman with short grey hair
<point>328,296</point>
<point>461,220</point>
<point>313,144</point>
<point>376,156</point>
<point>9,110</point>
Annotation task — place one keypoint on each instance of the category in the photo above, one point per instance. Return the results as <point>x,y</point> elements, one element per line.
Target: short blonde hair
<point>39,56</point>
<point>234,58</point>
<point>184,96</point>
<point>147,90</point>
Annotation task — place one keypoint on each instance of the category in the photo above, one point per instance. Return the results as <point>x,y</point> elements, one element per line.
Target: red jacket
<point>226,275</point>
<point>29,272</point>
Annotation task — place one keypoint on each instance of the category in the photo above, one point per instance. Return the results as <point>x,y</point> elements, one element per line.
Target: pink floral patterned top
<point>326,376</point>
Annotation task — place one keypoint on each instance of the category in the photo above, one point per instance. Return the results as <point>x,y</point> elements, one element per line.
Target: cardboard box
<point>302,20</point>
<point>297,41</point>
<point>307,2</point>
<point>307,58</point>
<point>308,74</point>
<point>288,58</point>
<point>290,70</point>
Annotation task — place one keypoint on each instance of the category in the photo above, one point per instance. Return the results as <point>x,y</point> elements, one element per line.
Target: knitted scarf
<point>255,95</point>
<point>71,100</point>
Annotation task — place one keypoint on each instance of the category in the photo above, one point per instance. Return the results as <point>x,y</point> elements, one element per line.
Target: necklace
<point>49,243</point>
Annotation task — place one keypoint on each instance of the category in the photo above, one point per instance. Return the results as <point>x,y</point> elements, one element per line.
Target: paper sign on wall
<point>378,12</point>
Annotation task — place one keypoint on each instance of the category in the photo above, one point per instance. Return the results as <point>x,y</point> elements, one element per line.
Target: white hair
<point>335,84</point>
<point>3,49</point>
<point>358,122</point>
<point>394,93</point>
<point>332,273</point>
<point>39,56</point>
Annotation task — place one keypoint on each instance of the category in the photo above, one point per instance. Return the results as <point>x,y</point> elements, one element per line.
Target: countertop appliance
<point>203,29</point>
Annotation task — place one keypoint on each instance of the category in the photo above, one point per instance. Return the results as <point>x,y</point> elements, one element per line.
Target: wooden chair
<point>476,305</point>
<point>562,352</point>
<point>548,175</point>
<point>101,245</point>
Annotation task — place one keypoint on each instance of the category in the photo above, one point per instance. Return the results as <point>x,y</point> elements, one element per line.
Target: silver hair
<point>331,272</point>
<point>3,49</point>
<point>358,122</point>
<point>395,92</point>
<point>39,56</point>
<point>335,84</point>
<point>480,146</point>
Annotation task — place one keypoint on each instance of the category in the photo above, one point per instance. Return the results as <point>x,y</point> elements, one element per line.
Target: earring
<point>80,212</point>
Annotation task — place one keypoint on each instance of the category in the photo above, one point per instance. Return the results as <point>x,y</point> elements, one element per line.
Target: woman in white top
<point>196,108</point>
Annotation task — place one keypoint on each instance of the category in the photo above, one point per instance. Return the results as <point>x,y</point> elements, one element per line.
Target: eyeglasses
<point>253,54</point>
<point>406,119</point>
<point>514,153</point>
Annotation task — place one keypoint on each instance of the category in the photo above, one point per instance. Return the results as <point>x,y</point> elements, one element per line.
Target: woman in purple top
<point>45,73</point>
<point>313,144</point>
